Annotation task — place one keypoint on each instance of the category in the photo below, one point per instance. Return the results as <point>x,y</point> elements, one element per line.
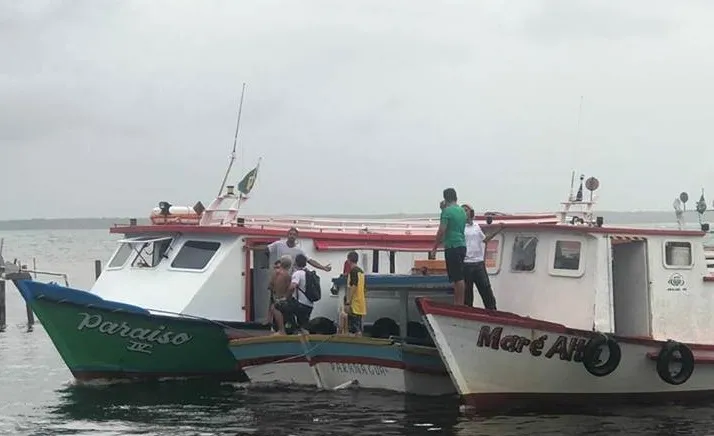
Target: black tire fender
<point>590,355</point>
<point>667,356</point>
<point>322,326</point>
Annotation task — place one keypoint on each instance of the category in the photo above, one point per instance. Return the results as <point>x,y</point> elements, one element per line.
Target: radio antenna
<point>235,142</point>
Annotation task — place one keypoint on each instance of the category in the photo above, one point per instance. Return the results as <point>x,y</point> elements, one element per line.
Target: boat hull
<point>499,360</point>
<point>333,361</point>
<point>100,339</point>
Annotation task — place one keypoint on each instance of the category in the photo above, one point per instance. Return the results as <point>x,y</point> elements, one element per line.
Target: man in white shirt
<point>474,266</point>
<point>302,305</point>
<point>289,247</point>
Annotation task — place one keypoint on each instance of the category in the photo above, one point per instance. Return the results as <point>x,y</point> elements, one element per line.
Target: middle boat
<point>395,353</point>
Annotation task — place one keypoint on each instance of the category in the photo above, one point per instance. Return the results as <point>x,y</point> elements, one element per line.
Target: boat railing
<point>423,225</point>
<point>342,226</point>
<point>18,271</point>
<point>27,274</point>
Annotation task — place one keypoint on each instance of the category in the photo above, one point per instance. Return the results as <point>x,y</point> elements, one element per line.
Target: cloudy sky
<point>355,107</point>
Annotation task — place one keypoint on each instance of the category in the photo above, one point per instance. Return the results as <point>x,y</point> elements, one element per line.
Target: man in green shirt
<point>451,234</point>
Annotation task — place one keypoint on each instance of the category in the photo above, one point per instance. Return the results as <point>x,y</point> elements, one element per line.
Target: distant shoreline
<point>637,217</point>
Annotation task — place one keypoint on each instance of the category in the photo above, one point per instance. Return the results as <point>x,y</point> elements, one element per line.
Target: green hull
<point>99,344</point>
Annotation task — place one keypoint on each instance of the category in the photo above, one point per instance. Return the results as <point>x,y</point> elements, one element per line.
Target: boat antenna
<point>235,142</point>
<point>576,147</point>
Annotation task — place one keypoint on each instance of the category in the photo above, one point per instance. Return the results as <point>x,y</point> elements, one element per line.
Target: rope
<point>305,354</point>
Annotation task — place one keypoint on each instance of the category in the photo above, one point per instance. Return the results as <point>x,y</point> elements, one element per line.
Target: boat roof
<point>221,218</point>
<point>320,234</point>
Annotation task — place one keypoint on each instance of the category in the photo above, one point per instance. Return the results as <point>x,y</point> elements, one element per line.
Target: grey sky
<point>111,106</point>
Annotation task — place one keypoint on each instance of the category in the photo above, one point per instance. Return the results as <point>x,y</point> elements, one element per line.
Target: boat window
<point>524,253</point>
<point>150,253</point>
<point>121,256</point>
<point>567,255</point>
<point>678,254</point>
<point>195,254</point>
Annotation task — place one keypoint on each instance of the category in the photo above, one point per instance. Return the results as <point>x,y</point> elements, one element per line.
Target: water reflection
<point>192,406</point>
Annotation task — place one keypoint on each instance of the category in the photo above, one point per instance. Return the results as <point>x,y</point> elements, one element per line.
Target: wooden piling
<point>28,309</point>
<point>14,278</point>
<point>3,323</point>
<point>97,268</point>
<point>30,317</point>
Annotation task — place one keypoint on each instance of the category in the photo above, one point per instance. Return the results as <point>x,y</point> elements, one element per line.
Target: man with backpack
<point>306,288</point>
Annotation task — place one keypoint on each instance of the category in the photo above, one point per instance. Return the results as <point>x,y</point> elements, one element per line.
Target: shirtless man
<point>276,268</point>
<point>280,286</point>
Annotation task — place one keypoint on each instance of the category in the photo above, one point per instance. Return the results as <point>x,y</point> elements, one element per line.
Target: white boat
<point>227,272</point>
<point>381,359</point>
<point>336,361</point>
<point>587,313</point>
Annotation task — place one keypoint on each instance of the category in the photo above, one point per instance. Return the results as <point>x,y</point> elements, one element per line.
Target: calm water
<point>38,396</point>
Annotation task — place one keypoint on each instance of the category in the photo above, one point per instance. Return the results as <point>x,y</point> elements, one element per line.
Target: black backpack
<point>312,286</point>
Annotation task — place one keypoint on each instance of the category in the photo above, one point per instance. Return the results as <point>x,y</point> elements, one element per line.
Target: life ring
<point>591,353</point>
<point>667,356</point>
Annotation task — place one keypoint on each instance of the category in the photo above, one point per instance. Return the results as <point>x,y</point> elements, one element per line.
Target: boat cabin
<point>635,282</point>
<point>649,282</point>
<point>212,263</point>
<point>391,307</point>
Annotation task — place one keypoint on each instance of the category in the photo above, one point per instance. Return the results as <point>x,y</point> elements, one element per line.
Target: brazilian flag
<point>245,185</point>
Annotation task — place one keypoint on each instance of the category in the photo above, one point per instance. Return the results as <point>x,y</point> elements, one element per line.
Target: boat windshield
<point>147,251</point>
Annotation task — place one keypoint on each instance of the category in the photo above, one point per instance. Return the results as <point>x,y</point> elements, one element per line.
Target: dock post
<point>97,268</point>
<point>14,278</point>
<point>28,309</point>
<point>3,324</point>
<point>30,317</point>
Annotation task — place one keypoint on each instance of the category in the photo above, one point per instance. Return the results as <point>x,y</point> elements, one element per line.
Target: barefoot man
<point>280,284</point>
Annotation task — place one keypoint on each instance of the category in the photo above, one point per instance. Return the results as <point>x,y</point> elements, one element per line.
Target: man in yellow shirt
<point>355,303</point>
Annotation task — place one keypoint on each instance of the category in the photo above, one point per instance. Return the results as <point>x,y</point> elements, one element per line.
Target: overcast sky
<point>356,107</point>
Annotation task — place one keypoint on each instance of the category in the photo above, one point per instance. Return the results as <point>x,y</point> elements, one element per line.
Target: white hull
<point>334,375</point>
<point>294,373</point>
<point>490,369</point>
<point>335,361</point>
